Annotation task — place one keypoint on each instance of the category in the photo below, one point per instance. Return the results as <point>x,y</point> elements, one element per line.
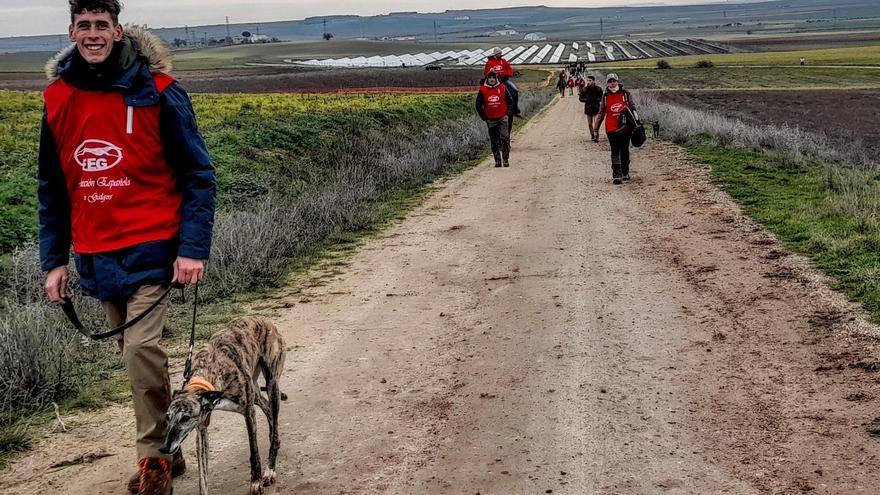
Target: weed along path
<point>537,329</point>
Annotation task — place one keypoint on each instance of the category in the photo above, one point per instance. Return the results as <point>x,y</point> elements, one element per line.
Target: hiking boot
<point>625,177</point>
<point>178,467</point>
<point>506,163</point>
<point>497,164</point>
<point>617,181</point>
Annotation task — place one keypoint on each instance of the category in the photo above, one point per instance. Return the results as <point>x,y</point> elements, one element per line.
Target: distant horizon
<point>24,12</point>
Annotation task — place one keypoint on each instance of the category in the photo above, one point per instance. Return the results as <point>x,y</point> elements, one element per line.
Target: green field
<point>24,62</point>
<point>854,56</point>
<point>689,78</point>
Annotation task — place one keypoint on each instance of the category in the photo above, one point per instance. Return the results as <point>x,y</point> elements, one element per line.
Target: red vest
<point>615,103</point>
<point>122,191</point>
<point>499,65</point>
<point>494,102</point>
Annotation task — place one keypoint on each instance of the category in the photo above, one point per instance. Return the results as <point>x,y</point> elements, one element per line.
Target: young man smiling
<point>124,176</point>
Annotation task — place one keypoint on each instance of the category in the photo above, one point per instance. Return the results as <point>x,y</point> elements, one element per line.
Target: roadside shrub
<point>704,64</point>
<point>662,64</point>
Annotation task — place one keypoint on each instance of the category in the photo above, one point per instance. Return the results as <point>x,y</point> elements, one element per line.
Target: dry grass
<point>681,124</point>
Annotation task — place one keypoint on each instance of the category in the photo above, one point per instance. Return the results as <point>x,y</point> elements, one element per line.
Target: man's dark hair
<point>591,78</point>
<point>112,7</point>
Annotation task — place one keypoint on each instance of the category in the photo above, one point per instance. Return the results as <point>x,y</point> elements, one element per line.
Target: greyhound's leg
<point>272,405</point>
<point>202,456</point>
<point>250,420</point>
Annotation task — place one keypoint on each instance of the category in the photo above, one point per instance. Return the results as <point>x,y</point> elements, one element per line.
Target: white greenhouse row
<point>522,55</point>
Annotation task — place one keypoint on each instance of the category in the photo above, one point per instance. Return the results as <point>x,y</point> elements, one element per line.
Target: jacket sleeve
<point>187,154</point>
<point>481,110</point>
<point>600,117</point>
<point>54,210</point>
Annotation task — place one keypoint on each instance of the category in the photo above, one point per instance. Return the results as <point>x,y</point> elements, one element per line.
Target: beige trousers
<point>147,365</point>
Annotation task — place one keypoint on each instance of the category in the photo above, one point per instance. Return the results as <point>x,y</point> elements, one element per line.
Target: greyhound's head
<point>188,409</point>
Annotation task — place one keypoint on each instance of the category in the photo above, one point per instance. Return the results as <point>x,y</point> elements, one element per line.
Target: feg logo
<point>494,100</point>
<point>617,108</point>
<point>94,155</point>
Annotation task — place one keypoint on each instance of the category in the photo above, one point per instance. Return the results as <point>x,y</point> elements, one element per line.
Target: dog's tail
<point>283,395</point>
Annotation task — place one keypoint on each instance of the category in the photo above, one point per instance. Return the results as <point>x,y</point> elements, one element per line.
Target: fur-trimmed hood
<point>149,46</point>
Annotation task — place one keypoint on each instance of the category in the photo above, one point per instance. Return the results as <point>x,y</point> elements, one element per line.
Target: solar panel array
<point>535,54</point>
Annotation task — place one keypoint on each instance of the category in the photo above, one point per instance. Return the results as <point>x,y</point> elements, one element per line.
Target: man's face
<point>94,34</point>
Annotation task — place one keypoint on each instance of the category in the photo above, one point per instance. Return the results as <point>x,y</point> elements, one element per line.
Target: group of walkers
<point>498,102</point>
<point>574,77</point>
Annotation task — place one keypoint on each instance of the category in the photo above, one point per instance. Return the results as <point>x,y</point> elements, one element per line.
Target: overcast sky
<point>26,17</point>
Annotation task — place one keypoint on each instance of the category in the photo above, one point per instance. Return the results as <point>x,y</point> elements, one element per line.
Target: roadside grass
<point>825,212</point>
<point>19,434</point>
<point>858,56</point>
<point>686,77</point>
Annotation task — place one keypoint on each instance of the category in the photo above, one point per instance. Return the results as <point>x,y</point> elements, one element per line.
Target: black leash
<point>70,312</point>
<point>187,369</point>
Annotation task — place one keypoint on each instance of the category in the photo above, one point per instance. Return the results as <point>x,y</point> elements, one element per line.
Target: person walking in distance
<point>571,84</point>
<point>561,84</point>
<point>125,177</point>
<point>618,111</point>
<point>494,104</point>
<point>591,95</point>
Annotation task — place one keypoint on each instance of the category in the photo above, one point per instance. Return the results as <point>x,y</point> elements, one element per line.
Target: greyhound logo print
<point>95,155</point>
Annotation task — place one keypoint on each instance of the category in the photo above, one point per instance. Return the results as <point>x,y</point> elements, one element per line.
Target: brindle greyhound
<point>224,377</point>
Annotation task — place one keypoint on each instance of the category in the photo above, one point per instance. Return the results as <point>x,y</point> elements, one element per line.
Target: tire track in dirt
<point>536,328</point>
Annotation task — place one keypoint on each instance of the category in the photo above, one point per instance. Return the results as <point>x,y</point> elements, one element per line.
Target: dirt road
<point>537,329</point>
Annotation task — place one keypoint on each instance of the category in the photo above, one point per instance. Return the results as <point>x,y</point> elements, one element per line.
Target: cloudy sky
<point>26,17</point>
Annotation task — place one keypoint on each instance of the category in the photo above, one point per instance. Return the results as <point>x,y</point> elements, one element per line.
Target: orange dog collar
<point>199,384</point>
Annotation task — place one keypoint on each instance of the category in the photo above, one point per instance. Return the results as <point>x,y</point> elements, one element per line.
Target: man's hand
<point>188,271</point>
<point>56,284</point>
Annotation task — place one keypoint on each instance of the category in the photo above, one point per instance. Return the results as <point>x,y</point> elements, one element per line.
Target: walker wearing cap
<point>618,111</point>
<point>499,65</point>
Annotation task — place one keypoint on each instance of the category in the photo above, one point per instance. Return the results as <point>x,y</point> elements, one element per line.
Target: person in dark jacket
<point>591,96</point>
<point>561,84</point>
<point>125,178</point>
<point>618,110</point>
<point>495,105</point>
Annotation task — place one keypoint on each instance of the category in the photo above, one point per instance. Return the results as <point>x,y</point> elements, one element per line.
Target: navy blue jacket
<point>117,275</point>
